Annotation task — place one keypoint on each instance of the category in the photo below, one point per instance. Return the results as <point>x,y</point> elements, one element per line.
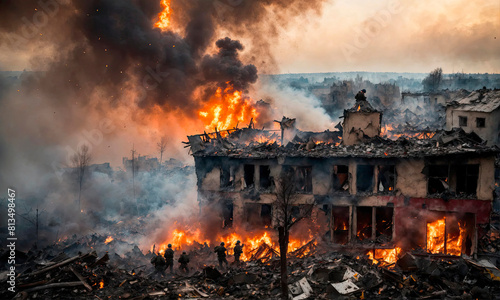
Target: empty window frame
<point>462,121</point>
<point>265,177</point>
<point>364,178</point>
<point>364,222</point>
<point>258,215</point>
<point>249,175</point>
<point>467,177</point>
<point>266,213</point>
<point>340,178</point>
<point>303,179</point>
<point>227,215</point>
<point>386,178</point>
<point>226,176</point>
<point>438,179</point>
<point>480,122</point>
<point>384,222</point>
<point>378,218</point>
<point>340,222</point>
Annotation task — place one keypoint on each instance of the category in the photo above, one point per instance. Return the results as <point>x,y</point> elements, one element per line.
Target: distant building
<point>477,112</point>
<point>141,164</point>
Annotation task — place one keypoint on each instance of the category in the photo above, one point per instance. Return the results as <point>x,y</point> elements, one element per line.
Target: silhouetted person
<point>184,260</point>
<point>169,258</point>
<point>221,254</point>
<point>360,96</point>
<point>238,250</point>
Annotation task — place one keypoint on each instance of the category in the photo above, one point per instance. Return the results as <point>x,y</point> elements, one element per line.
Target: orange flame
<point>181,239</point>
<point>226,109</point>
<point>164,16</point>
<point>436,238</point>
<point>388,132</point>
<point>384,256</point>
<point>101,284</point>
<point>108,239</point>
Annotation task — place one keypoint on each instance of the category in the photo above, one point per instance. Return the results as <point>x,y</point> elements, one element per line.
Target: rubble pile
<point>322,274</point>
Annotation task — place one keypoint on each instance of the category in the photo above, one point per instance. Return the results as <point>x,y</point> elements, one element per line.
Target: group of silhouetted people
<point>166,261</point>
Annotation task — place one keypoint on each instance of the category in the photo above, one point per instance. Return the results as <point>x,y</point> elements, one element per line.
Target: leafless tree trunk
<point>286,199</point>
<point>81,160</point>
<point>162,145</point>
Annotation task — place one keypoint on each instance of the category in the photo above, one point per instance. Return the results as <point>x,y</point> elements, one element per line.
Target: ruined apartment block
<point>367,190</point>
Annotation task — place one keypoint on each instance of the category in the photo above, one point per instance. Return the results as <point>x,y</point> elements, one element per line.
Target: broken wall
<point>358,124</point>
<point>489,131</point>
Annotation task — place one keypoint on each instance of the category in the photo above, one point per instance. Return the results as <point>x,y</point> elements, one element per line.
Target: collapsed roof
<point>483,100</point>
<point>265,144</point>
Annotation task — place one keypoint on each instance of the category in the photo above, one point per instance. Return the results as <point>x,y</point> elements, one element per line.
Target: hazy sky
<point>413,36</point>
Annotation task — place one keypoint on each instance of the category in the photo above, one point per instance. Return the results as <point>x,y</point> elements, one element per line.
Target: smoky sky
<point>90,61</point>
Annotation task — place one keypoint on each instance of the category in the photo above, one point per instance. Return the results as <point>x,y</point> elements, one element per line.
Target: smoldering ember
<point>154,150</point>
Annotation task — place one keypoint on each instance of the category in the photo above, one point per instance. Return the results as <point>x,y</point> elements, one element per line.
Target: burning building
<point>430,193</point>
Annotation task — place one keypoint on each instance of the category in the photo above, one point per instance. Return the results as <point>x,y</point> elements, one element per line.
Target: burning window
<point>450,234</point>
<point>386,178</point>
<point>227,214</point>
<point>249,175</point>
<point>303,179</point>
<point>340,176</point>
<point>467,177</point>
<point>340,222</point>
<point>438,178</point>
<point>265,177</point>
<point>364,178</point>
<point>462,121</point>
<point>480,122</point>
<point>364,223</point>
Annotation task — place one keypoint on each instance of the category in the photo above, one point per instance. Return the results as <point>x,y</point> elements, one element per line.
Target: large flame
<point>164,16</point>
<point>436,232</point>
<point>226,109</point>
<point>189,239</point>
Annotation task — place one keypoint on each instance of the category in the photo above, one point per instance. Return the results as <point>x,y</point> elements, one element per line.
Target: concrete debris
<point>301,289</point>
<point>345,287</point>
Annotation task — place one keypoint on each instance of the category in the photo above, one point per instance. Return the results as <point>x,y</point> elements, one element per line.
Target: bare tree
<point>287,215</point>
<point>162,145</point>
<point>433,80</point>
<point>81,161</point>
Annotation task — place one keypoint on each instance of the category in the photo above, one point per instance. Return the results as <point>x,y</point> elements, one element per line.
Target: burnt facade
<point>365,189</point>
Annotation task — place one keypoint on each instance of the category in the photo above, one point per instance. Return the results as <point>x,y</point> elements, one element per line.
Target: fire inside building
<point>430,193</point>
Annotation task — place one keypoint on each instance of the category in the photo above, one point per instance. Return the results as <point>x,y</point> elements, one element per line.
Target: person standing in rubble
<point>159,264</point>
<point>238,250</point>
<point>360,96</point>
<point>221,254</point>
<point>184,260</point>
<point>169,258</point>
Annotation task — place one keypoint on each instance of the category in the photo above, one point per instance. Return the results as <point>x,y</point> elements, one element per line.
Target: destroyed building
<point>433,194</point>
<point>477,112</point>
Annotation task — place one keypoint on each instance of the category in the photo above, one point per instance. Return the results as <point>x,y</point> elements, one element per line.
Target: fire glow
<point>182,239</point>
<point>389,132</point>
<point>164,16</point>
<point>436,233</point>
<point>384,256</point>
<point>108,240</point>
<point>226,109</point>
